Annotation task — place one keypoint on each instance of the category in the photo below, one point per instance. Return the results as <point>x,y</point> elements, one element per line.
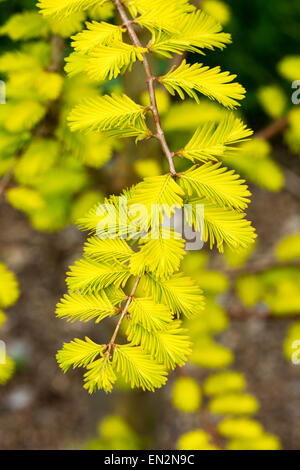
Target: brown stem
<point>57,54</point>
<point>124,312</point>
<point>277,126</point>
<point>5,181</point>
<point>150,79</point>
<point>210,428</point>
<point>242,314</point>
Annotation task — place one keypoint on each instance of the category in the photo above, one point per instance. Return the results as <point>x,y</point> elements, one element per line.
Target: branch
<point>6,181</point>
<point>276,127</point>
<point>57,54</point>
<point>124,312</point>
<point>243,314</point>
<point>210,428</point>
<point>150,79</point>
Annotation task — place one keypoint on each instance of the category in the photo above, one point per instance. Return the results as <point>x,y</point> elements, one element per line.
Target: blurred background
<point>241,385</point>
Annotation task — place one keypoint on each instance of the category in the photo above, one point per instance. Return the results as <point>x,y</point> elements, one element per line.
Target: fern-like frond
<point>107,62</point>
<point>148,314</point>
<point>213,83</point>
<point>157,341</point>
<point>61,8</point>
<point>90,221</point>
<point>107,250</point>
<point>86,147</point>
<point>80,307</point>
<point>170,346</point>
<point>194,32</point>
<point>115,115</point>
<point>180,293</point>
<point>78,353</point>
<point>76,64</point>
<point>100,375</point>
<point>144,6</point>
<point>212,140</point>
<point>223,226</point>
<point>164,17</point>
<point>158,191</point>
<point>87,275</point>
<point>161,257</point>
<point>108,218</point>
<point>95,35</point>
<point>67,25</point>
<point>115,295</point>
<point>217,184</point>
<point>138,368</point>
